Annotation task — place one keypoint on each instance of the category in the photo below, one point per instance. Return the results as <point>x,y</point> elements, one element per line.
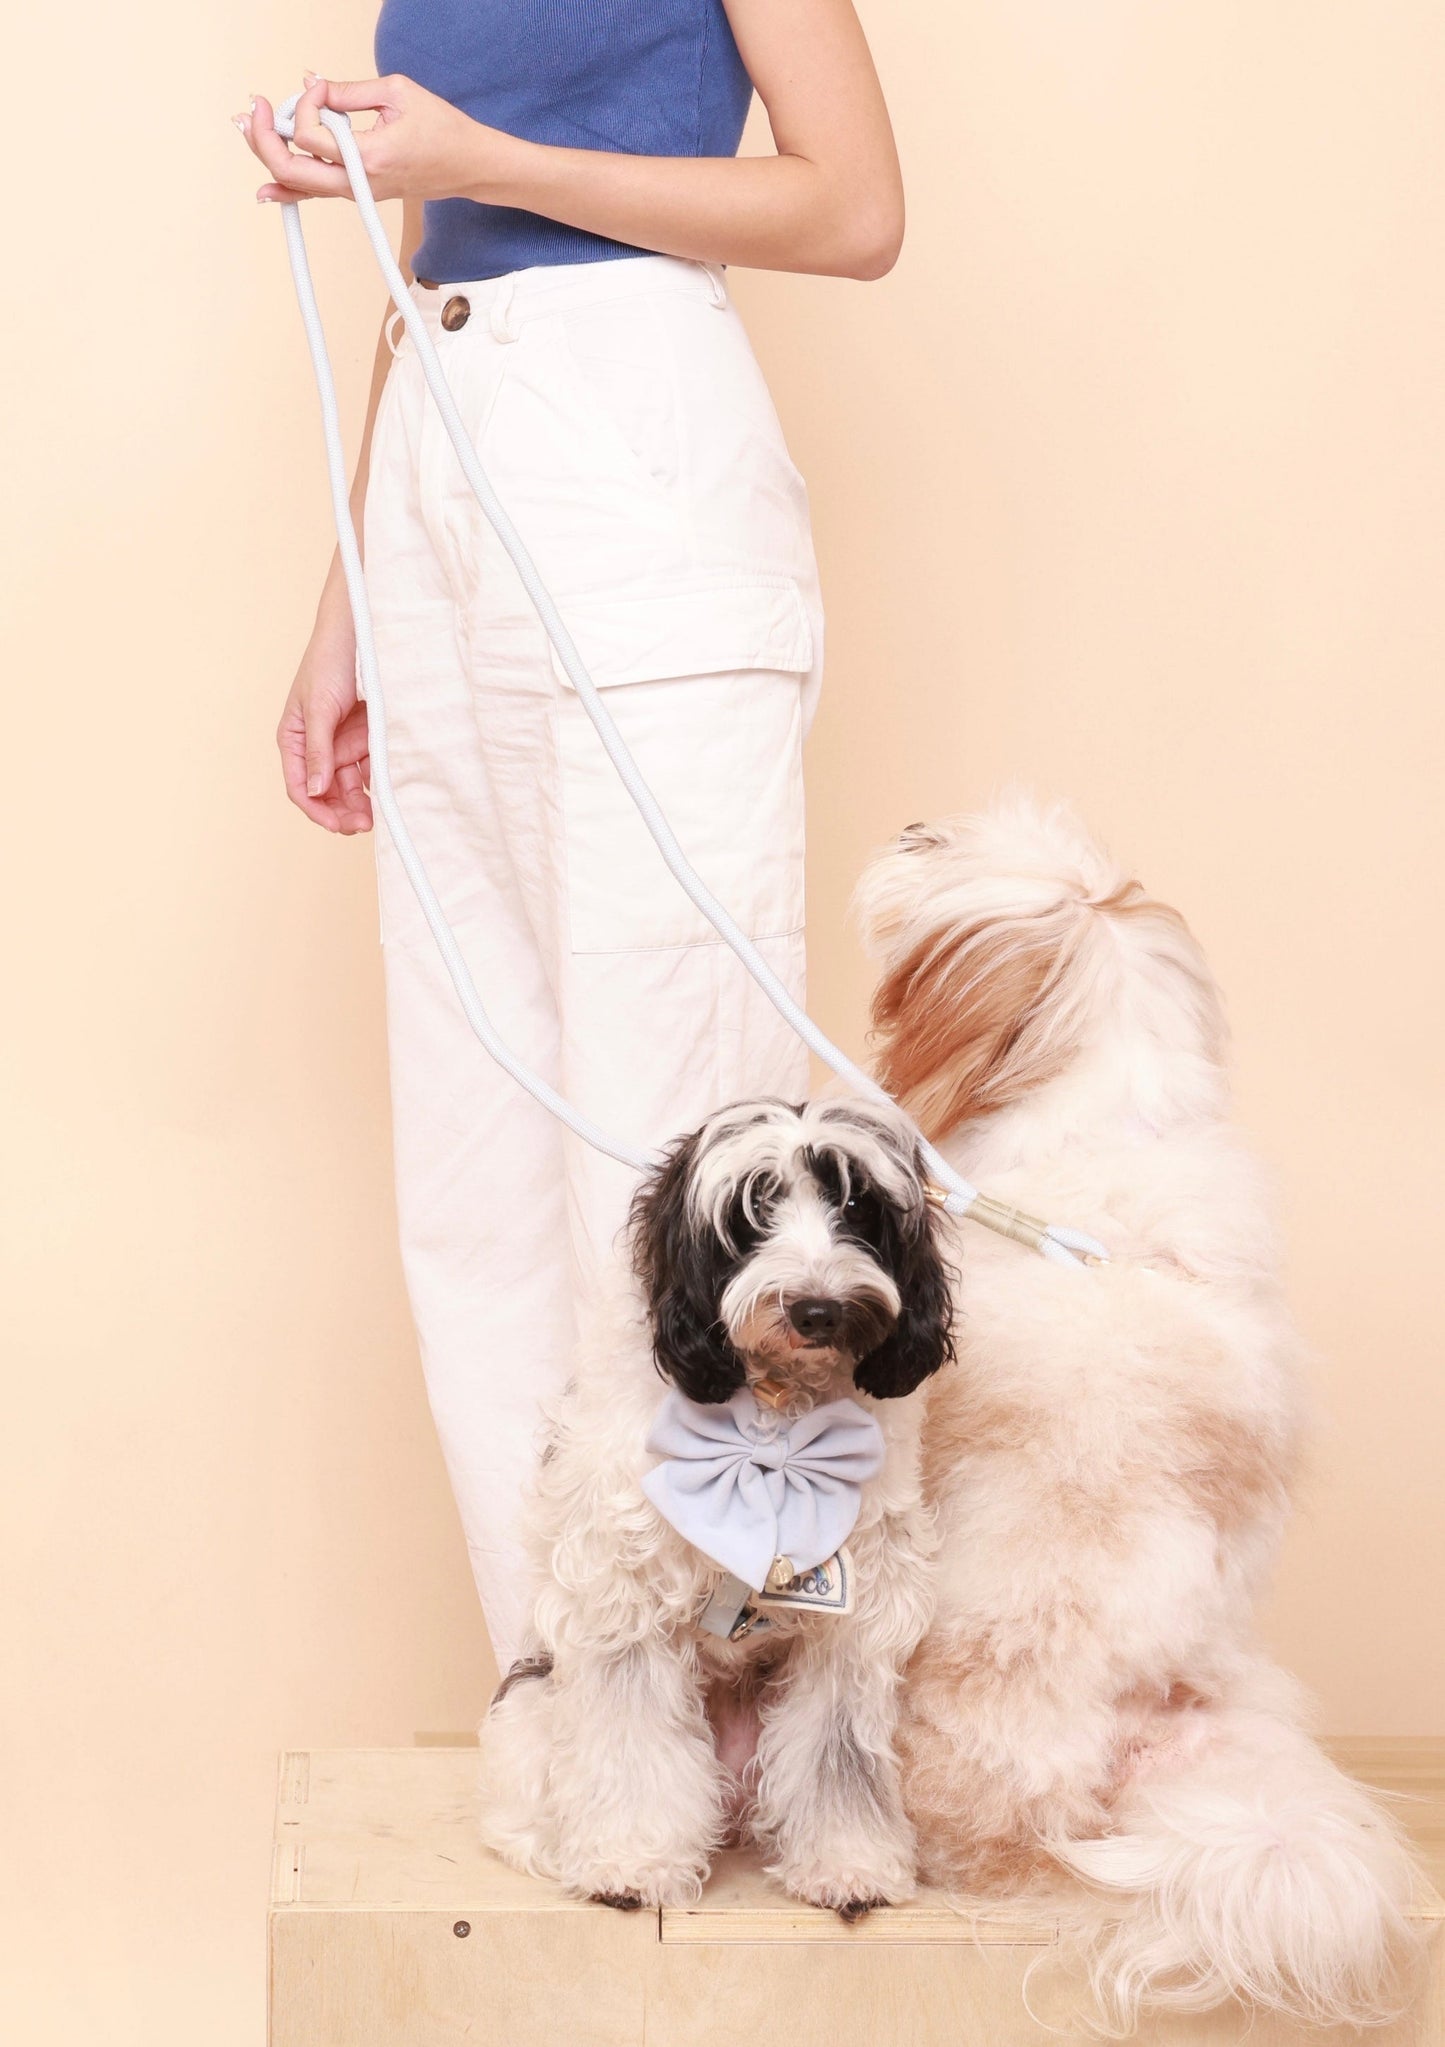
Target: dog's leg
<point>830,1807</point>
<point>1040,1673</point>
<point>634,1778</point>
<point>515,1740</point>
<point>998,1762</point>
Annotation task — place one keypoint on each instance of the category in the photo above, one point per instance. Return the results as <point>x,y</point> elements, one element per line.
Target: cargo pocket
<point>705,685</point>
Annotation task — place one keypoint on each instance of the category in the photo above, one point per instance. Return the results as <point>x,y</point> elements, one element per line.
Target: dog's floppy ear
<point>922,1338</point>
<point>683,1269</point>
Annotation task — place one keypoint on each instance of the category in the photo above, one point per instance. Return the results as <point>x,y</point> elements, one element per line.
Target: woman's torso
<point>640,77</point>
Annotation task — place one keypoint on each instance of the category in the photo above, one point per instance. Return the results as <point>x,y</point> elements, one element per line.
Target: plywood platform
<point>392,1927</point>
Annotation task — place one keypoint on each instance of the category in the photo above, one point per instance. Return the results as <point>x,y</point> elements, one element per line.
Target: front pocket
<point>705,686</point>
<point>621,357</point>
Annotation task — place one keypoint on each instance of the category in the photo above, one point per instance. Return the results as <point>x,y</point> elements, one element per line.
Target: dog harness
<point>1063,1246</point>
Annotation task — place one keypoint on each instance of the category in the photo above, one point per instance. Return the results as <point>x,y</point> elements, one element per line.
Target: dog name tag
<point>827,1588</point>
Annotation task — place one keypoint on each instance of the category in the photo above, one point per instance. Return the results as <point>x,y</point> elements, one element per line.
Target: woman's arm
<point>830,201</point>
<point>322,733</point>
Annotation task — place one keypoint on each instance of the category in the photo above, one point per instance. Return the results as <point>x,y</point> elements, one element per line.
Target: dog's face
<point>794,1244</point>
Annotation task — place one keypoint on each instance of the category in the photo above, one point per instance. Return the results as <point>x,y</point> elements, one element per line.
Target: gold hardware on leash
<point>771,1392</point>
<point>1006,1220</point>
<point>1010,1222</point>
<point>1000,1216</point>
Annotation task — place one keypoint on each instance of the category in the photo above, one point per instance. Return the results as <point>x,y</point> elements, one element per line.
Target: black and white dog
<point>751,1538</point>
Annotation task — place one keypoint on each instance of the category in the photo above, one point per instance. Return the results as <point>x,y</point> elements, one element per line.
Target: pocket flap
<point>755,622</point>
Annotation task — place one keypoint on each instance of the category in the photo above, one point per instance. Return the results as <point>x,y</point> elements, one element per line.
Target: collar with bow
<point>745,1485</point>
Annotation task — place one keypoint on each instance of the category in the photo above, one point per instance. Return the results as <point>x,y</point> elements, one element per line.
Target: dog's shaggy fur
<point>600,1763</point>
<point>1111,1462</point>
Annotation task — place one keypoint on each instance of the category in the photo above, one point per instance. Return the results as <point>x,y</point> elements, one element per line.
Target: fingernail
<point>253,102</point>
<point>240,121</point>
<point>314,785</point>
<point>309,78</point>
<point>265,199</point>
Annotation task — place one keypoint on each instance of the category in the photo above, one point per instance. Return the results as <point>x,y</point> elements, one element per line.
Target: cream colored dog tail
<point>1254,1869</point>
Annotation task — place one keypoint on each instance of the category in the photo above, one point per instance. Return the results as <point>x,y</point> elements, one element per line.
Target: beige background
<point>1128,482</point>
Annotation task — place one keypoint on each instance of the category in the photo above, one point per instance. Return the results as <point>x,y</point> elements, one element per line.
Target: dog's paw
<point>852,1894</point>
<point>853,1909</point>
<point>628,1885</point>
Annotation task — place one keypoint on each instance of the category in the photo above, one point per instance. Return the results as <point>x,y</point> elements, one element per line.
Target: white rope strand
<point>1061,1245</point>
<point>381,787</point>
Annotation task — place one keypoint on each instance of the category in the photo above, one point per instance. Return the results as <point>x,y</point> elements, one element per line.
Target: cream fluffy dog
<point>1112,1458</point>
<point>791,1251</point>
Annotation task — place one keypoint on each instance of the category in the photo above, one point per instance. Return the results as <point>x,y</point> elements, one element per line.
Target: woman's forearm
<point>769,212</point>
<point>334,608</point>
<point>830,201</point>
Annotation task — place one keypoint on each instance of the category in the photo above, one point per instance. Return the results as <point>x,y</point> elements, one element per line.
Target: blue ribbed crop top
<point>642,77</point>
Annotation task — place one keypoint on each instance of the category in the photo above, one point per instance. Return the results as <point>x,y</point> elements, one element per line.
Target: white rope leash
<point>1065,1246</point>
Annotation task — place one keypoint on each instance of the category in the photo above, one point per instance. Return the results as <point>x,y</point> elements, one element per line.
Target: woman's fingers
<point>352,800</point>
<point>364,96</point>
<point>311,135</point>
<point>321,722</point>
<point>345,807</point>
<point>295,176</point>
<point>349,743</point>
<point>260,132</point>
<point>303,178</point>
<point>291,740</point>
<point>353,765</point>
<point>248,125</point>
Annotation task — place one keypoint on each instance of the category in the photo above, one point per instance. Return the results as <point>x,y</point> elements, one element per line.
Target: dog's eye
<point>750,1212</point>
<point>860,1207</point>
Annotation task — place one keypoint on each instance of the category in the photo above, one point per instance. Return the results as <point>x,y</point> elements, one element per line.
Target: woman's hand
<point>420,147</point>
<point>322,733</point>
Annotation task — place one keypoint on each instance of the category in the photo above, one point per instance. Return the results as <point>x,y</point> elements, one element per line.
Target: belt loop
<point>717,284</point>
<point>393,337</point>
<point>500,318</point>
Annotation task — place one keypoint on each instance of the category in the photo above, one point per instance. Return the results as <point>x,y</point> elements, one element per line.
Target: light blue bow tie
<point>744,1486</point>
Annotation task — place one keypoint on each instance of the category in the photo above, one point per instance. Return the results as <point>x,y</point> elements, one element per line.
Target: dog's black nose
<point>818,1320</point>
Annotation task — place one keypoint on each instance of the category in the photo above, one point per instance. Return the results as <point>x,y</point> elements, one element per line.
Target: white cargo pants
<point>623,420</point>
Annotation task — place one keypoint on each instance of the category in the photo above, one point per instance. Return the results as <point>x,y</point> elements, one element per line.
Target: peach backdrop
<point>1128,483</point>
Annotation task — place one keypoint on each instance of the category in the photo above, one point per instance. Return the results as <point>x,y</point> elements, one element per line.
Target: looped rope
<point>1063,1246</point>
